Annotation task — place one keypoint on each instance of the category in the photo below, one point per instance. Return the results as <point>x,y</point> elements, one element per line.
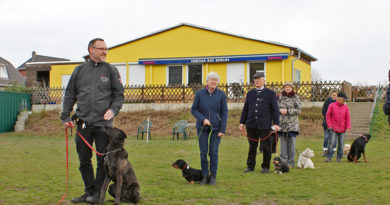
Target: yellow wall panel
<point>57,71</point>
<point>219,68</point>
<point>188,41</point>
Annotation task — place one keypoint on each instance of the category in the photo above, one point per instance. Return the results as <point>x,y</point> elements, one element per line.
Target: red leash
<point>67,161</point>
<point>276,137</point>
<point>67,166</point>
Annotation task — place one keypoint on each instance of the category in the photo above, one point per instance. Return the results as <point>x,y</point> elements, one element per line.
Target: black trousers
<point>256,134</point>
<point>91,134</point>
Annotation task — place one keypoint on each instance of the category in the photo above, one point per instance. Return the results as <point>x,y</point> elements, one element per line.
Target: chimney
<point>34,54</point>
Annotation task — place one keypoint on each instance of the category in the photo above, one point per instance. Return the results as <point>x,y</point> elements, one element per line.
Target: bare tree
<point>315,75</point>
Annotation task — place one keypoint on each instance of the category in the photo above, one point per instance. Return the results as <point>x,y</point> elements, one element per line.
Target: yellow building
<point>185,53</point>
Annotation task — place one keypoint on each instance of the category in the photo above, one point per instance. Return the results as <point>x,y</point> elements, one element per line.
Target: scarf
<point>289,95</point>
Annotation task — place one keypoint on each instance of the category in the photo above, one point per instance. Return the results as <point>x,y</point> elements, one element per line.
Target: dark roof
<point>310,57</point>
<point>40,58</point>
<point>13,74</point>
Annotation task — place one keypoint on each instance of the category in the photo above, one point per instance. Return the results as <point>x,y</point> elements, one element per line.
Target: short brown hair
<point>92,42</point>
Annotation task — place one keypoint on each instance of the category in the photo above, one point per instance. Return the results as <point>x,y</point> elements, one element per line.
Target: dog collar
<point>187,167</point>
<point>365,138</point>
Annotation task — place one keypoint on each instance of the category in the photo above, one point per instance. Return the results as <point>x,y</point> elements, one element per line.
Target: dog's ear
<point>122,134</point>
<point>368,136</point>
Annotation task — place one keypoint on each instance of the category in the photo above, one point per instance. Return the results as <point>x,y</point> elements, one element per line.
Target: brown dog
<point>119,170</point>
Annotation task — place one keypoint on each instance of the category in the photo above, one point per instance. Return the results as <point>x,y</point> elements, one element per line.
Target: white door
<point>65,80</point>
<point>122,69</point>
<point>235,73</point>
<point>136,74</point>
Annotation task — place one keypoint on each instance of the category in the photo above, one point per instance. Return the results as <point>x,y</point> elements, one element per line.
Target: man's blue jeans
<point>332,143</point>
<point>212,148</point>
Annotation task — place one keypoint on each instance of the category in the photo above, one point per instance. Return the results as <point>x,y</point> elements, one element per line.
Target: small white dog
<point>346,147</point>
<point>304,160</point>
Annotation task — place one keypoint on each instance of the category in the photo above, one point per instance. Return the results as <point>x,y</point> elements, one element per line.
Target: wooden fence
<point>308,91</point>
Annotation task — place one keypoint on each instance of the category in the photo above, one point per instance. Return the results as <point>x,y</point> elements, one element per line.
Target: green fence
<point>11,103</point>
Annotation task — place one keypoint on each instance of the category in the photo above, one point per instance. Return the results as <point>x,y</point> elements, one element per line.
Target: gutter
<point>292,65</point>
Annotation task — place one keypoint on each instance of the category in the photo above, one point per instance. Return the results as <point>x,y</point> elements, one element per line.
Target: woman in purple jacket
<point>211,112</point>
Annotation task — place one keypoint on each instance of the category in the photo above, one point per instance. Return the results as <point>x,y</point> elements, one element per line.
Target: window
<point>255,68</point>
<point>3,72</point>
<point>175,75</point>
<point>297,77</point>
<point>194,74</point>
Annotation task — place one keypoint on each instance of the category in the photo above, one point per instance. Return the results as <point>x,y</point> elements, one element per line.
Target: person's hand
<point>276,127</point>
<point>220,134</point>
<point>329,128</point>
<point>108,115</point>
<point>69,124</point>
<point>242,130</point>
<point>348,130</point>
<point>206,122</point>
<point>283,111</point>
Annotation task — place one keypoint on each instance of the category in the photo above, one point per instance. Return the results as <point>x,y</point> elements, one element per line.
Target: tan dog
<point>346,149</point>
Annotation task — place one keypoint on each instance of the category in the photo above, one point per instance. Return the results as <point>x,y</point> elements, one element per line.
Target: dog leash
<point>67,160</point>
<point>193,149</point>
<point>270,133</point>
<point>67,167</point>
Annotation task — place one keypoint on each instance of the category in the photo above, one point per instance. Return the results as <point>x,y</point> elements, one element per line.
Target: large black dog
<point>190,174</point>
<point>119,170</point>
<point>357,148</point>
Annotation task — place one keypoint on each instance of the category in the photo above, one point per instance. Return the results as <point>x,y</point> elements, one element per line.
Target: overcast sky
<point>350,38</point>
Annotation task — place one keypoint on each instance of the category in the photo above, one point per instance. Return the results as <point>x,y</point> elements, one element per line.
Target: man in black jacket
<point>259,114</point>
<point>97,88</point>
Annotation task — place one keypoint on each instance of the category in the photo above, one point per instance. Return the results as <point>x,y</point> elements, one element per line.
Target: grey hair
<point>213,75</point>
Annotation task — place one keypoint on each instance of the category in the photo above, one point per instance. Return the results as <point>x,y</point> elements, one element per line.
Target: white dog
<point>304,160</point>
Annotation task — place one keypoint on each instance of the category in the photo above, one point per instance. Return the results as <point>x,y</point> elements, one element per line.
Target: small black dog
<point>280,167</point>
<point>357,148</point>
<point>119,170</point>
<point>190,174</point>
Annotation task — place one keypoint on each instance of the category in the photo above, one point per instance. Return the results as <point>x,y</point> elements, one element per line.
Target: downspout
<point>292,65</point>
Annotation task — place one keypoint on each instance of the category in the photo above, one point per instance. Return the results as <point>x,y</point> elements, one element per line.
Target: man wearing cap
<point>259,114</point>
<point>339,121</point>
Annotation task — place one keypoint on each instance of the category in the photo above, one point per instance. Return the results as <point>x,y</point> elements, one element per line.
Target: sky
<point>350,38</point>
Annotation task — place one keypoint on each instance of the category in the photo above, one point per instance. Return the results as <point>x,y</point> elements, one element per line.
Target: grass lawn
<point>33,171</point>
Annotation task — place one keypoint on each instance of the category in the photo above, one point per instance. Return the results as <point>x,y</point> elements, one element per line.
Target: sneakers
<point>94,199</point>
<point>81,199</point>
<point>249,170</point>
<point>213,180</point>
<point>338,159</point>
<point>265,170</point>
<point>327,160</point>
<point>203,181</point>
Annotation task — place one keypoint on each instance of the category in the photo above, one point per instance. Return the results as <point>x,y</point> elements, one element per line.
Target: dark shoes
<point>81,199</point>
<point>203,181</point>
<point>94,199</point>
<point>328,160</point>
<point>249,170</point>
<point>338,159</point>
<point>213,180</point>
<point>265,170</point>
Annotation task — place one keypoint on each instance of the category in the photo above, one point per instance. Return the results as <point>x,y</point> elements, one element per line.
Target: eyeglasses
<point>101,49</point>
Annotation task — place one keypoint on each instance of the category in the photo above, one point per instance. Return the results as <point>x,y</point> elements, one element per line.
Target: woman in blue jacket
<point>211,111</point>
<point>331,99</point>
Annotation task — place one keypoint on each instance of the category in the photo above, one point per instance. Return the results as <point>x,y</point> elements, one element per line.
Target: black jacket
<point>325,110</point>
<point>95,87</point>
<point>260,110</point>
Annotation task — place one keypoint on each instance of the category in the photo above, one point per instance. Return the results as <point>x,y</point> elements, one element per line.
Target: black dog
<point>280,167</point>
<point>357,148</point>
<point>190,174</point>
<point>119,170</point>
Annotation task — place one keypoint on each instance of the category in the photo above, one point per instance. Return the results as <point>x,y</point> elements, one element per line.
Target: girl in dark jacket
<point>331,99</point>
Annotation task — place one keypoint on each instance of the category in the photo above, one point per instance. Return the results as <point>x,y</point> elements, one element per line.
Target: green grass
<point>32,171</point>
